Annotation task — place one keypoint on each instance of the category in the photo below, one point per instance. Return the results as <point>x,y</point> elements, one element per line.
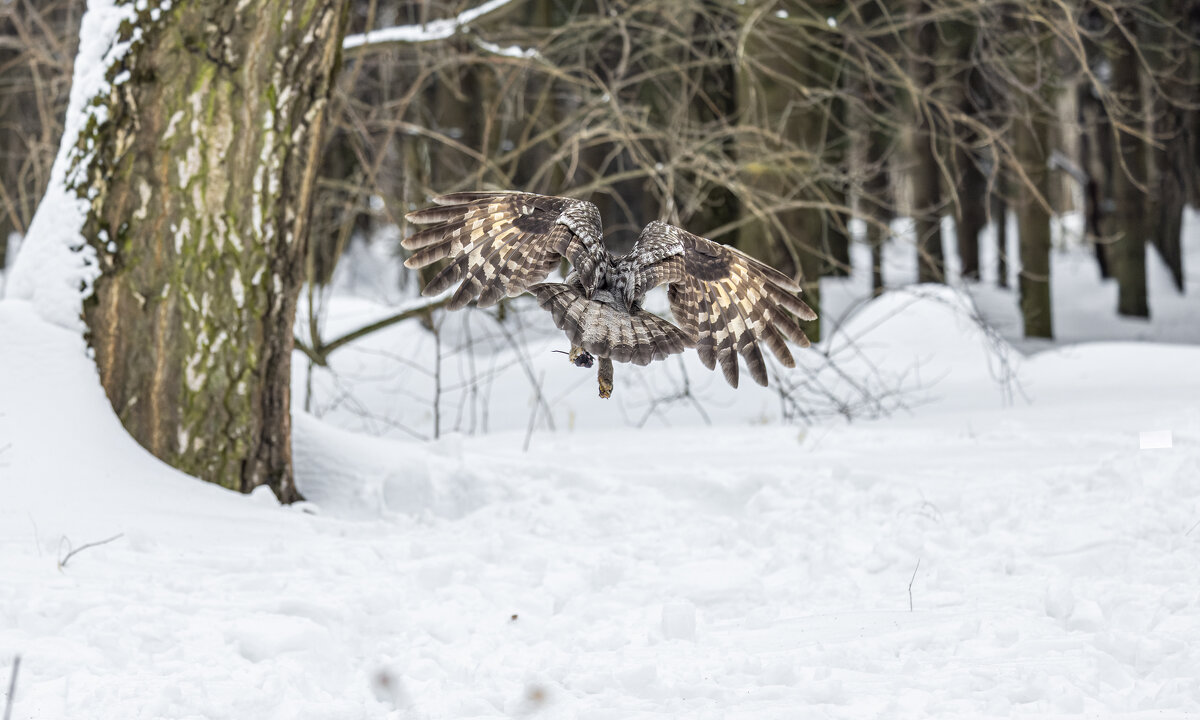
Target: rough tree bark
<point>200,187</point>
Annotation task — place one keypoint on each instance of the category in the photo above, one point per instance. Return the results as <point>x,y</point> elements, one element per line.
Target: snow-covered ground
<point>995,549</point>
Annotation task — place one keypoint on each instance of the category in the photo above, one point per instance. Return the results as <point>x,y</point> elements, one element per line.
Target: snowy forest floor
<point>990,548</point>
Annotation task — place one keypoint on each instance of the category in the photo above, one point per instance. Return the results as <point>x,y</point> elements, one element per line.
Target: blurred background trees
<point>793,129</point>
<point>790,128</point>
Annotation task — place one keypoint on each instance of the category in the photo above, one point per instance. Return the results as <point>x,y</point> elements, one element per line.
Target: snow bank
<point>732,571</point>
<point>55,267</point>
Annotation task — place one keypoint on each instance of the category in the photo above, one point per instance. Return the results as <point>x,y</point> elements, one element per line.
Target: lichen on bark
<point>199,170</point>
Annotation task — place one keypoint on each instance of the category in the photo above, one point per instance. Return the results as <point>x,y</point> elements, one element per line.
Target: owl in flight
<point>501,244</point>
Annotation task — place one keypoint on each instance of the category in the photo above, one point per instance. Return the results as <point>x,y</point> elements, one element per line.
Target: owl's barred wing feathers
<point>501,243</point>
<point>725,299</point>
<point>504,243</point>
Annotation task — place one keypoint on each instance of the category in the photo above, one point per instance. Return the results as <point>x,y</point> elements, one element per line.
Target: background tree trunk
<point>1033,228</point>
<point>998,209</point>
<point>793,238</point>
<point>200,187</point>
<point>925,177</point>
<point>1031,144</point>
<point>1128,249</point>
<point>37,49</point>
<point>1167,53</point>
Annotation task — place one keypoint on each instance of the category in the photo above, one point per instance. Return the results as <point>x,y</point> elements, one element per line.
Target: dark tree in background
<point>1032,68</point>
<point>200,193</point>
<point>37,48</point>
<point>926,109</point>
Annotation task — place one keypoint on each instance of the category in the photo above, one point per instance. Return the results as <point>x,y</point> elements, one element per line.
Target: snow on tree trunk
<point>201,166</point>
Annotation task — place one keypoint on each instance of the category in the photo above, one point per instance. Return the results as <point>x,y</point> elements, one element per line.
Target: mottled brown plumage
<point>506,243</point>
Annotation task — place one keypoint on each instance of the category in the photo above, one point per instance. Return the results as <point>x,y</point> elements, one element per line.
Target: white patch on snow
<point>1154,440</point>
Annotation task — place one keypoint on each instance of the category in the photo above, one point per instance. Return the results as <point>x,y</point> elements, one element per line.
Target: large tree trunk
<point>1095,150</point>
<point>1167,54</point>
<point>925,178</point>
<point>200,186</point>
<point>1033,227</point>
<point>1128,250</point>
<point>792,238</point>
<point>1031,139</point>
<point>962,84</point>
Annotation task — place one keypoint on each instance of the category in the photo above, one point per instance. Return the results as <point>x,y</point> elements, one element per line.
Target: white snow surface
<point>742,570</point>
<point>55,267</point>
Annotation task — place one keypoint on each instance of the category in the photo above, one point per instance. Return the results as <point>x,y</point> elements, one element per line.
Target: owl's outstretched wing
<point>725,299</point>
<point>500,243</point>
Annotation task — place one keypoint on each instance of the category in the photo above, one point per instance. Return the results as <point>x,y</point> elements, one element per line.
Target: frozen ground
<point>740,570</point>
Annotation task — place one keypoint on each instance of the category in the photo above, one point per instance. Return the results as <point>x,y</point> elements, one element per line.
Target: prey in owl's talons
<point>578,357</point>
<point>582,358</point>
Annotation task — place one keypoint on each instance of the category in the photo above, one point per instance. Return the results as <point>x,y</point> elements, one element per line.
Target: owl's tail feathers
<point>608,331</point>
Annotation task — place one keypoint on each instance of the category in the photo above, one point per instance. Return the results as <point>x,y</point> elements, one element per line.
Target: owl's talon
<point>605,376</point>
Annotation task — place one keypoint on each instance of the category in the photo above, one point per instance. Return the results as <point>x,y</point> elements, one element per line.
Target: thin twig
<point>12,687</point>
<point>910,584</point>
<point>71,552</point>
<point>320,351</point>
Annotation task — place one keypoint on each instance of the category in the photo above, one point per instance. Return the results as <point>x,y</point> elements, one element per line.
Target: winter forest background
<point>974,497</point>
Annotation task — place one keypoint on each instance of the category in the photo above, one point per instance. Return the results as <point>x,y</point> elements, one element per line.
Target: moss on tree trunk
<point>200,186</point>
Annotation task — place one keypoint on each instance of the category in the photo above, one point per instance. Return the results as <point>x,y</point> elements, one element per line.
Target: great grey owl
<point>506,243</point>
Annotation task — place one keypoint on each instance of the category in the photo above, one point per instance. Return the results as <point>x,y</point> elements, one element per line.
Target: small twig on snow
<point>910,584</point>
<point>12,687</point>
<point>71,551</point>
<point>1193,527</point>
